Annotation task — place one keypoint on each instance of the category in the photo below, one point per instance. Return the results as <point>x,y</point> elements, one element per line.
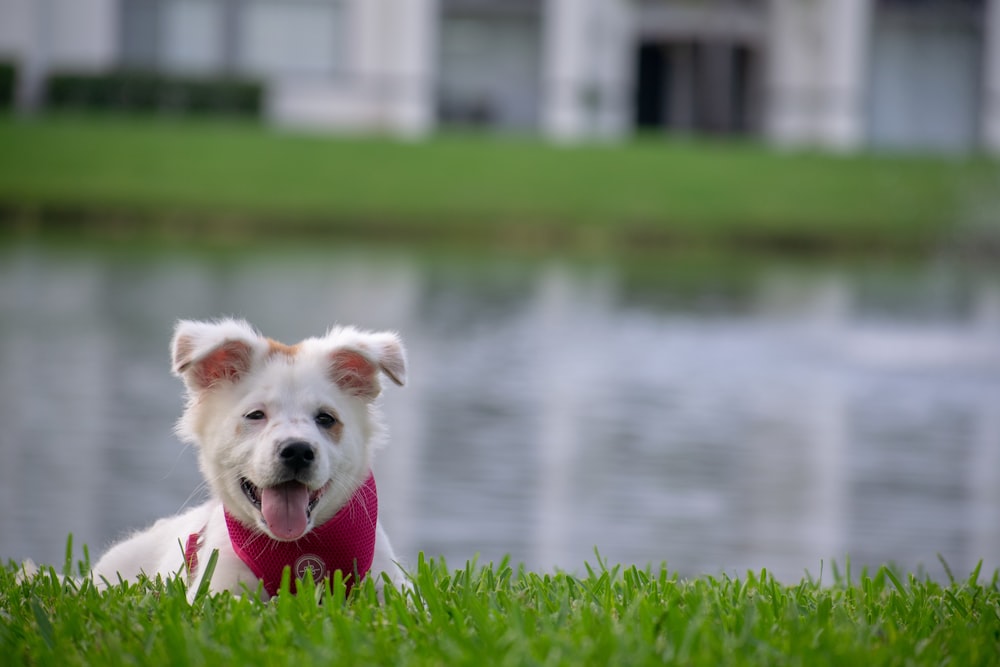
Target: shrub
<point>153,92</point>
<point>8,84</point>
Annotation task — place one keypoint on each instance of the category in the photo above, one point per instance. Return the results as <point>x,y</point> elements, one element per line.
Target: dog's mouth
<point>286,507</point>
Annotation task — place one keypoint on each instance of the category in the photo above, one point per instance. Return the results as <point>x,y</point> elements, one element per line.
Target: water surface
<point>718,415</point>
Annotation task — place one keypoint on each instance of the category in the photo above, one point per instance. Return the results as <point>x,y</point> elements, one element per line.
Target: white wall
<point>16,26</point>
<point>43,34</point>
<point>62,32</point>
<point>83,32</point>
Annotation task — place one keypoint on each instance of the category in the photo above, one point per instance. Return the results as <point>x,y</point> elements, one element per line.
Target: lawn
<point>164,175</point>
<point>499,615</point>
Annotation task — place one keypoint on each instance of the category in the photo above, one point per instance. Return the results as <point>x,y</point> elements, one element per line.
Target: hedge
<point>8,84</point>
<point>152,92</point>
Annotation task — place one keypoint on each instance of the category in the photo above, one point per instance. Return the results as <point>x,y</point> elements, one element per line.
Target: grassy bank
<point>135,175</point>
<point>497,615</point>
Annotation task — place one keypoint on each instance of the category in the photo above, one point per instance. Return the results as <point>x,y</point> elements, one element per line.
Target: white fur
<point>230,371</point>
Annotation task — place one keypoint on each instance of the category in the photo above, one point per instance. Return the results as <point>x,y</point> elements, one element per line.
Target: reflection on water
<point>710,415</point>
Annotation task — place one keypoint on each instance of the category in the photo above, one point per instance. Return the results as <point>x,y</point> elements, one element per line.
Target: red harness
<point>346,543</point>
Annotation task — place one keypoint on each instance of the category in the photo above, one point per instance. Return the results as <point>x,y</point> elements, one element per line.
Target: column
<point>564,75</point>
<point>991,80</point>
<point>818,64</point>
<point>393,59</point>
<point>586,68</point>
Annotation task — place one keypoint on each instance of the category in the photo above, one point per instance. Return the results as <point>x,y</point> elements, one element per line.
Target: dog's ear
<point>354,365</point>
<point>206,353</point>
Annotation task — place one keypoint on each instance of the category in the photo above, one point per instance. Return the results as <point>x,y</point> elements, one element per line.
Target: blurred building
<point>840,74</point>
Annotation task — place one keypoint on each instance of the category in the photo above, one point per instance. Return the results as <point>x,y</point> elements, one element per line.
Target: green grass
<point>505,616</point>
<point>163,174</point>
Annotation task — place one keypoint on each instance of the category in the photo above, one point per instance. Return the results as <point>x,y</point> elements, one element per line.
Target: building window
<point>139,33</point>
<point>291,37</point>
<point>191,37</point>
<point>256,37</point>
<point>489,60</point>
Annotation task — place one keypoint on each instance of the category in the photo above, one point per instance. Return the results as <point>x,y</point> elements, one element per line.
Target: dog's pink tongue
<point>285,509</point>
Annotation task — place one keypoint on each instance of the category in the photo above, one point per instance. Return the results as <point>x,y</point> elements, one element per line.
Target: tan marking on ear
<point>276,348</point>
<point>335,432</point>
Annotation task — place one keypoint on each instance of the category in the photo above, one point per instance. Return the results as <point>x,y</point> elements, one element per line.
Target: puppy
<point>285,437</point>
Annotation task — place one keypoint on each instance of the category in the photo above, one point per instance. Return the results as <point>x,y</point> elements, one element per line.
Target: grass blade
<point>206,578</point>
<point>947,569</point>
<point>44,624</point>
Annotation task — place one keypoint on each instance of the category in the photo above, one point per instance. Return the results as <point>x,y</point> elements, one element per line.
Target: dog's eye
<point>255,415</point>
<point>325,420</point>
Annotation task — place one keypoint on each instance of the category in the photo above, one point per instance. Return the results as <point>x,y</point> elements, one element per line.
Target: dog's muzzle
<point>286,507</point>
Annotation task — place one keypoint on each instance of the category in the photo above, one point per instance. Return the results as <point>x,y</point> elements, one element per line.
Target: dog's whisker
<point>177,459</point>
<point>197,491</point>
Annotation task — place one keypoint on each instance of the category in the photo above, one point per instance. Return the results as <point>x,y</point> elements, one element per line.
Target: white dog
<point>285,437</point>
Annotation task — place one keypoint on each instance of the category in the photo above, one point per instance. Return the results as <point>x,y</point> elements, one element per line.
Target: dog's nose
<point>297,455</point>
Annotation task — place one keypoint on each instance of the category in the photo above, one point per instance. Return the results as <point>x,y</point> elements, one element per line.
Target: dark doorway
<point>650,87</point>
<point>697,86</point>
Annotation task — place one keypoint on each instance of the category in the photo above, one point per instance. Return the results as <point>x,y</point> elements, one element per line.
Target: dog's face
<point>285,433</point>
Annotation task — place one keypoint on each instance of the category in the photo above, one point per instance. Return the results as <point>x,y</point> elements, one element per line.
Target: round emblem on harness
<point>310,563</point>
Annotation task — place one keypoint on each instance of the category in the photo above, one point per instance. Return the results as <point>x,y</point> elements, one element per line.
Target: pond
<point>717,414</point>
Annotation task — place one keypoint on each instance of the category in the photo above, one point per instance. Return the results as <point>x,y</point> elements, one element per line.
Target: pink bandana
<point>346,543</point>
